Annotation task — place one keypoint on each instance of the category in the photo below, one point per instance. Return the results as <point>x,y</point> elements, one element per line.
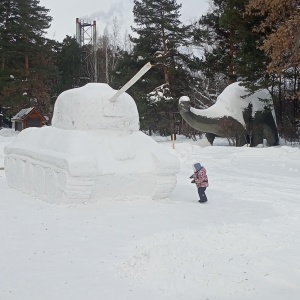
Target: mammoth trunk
<point>202,123</point>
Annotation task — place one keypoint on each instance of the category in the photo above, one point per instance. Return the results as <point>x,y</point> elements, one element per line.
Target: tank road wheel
<point>51,185</point>
<point>28,186</point>
<point>20,174</point>
<point>61,181</point>
<point>10,171</point>
<point>38,173</point>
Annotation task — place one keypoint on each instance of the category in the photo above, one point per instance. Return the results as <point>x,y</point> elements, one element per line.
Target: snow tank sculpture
<point>93,150</point>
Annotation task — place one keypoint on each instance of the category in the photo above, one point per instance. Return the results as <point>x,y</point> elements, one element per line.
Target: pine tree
<point>234,46</point>
<point>160,34</point>
<point>28,69</point>
<point>68,63</point>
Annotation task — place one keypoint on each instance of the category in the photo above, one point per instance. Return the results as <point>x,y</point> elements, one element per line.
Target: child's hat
<point>196,167</point>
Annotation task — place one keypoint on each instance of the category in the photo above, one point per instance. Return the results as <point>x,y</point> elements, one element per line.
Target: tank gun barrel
<point>131,82</point>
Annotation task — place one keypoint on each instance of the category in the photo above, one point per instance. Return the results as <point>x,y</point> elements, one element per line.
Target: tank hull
<point>68,166</point>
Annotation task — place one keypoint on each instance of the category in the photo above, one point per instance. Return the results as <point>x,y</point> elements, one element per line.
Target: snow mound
<point>8,132</point>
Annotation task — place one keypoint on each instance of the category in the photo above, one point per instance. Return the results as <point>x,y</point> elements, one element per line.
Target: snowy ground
<point>242,244</point>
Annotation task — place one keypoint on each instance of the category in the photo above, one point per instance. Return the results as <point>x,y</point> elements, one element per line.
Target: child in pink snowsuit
<point>201,180</point>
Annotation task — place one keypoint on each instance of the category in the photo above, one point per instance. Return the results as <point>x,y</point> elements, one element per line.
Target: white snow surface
<point>242,244</point>
<point>229,103</point>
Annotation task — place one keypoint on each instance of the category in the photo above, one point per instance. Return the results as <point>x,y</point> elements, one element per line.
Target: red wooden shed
<point>28,117</point>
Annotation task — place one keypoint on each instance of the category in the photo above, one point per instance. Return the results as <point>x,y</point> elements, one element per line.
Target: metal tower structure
<point>86,36</point>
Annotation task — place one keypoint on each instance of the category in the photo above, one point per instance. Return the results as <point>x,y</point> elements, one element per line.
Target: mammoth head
<point>184,103</point>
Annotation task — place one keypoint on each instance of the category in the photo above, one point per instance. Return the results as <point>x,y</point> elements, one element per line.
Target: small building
<point>28,117</point>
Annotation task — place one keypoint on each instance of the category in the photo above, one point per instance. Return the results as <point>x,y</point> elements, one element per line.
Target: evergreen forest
<point>254,41</point>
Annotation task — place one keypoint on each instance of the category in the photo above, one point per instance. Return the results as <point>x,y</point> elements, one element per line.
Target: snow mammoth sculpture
<point>248,116</point>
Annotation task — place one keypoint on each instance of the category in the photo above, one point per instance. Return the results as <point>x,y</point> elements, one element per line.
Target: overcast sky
<point>65,12</point>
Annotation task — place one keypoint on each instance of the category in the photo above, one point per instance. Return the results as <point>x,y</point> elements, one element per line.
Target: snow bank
<point>8,132</point>
<point>6,136</point>
<point>93,151</point>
